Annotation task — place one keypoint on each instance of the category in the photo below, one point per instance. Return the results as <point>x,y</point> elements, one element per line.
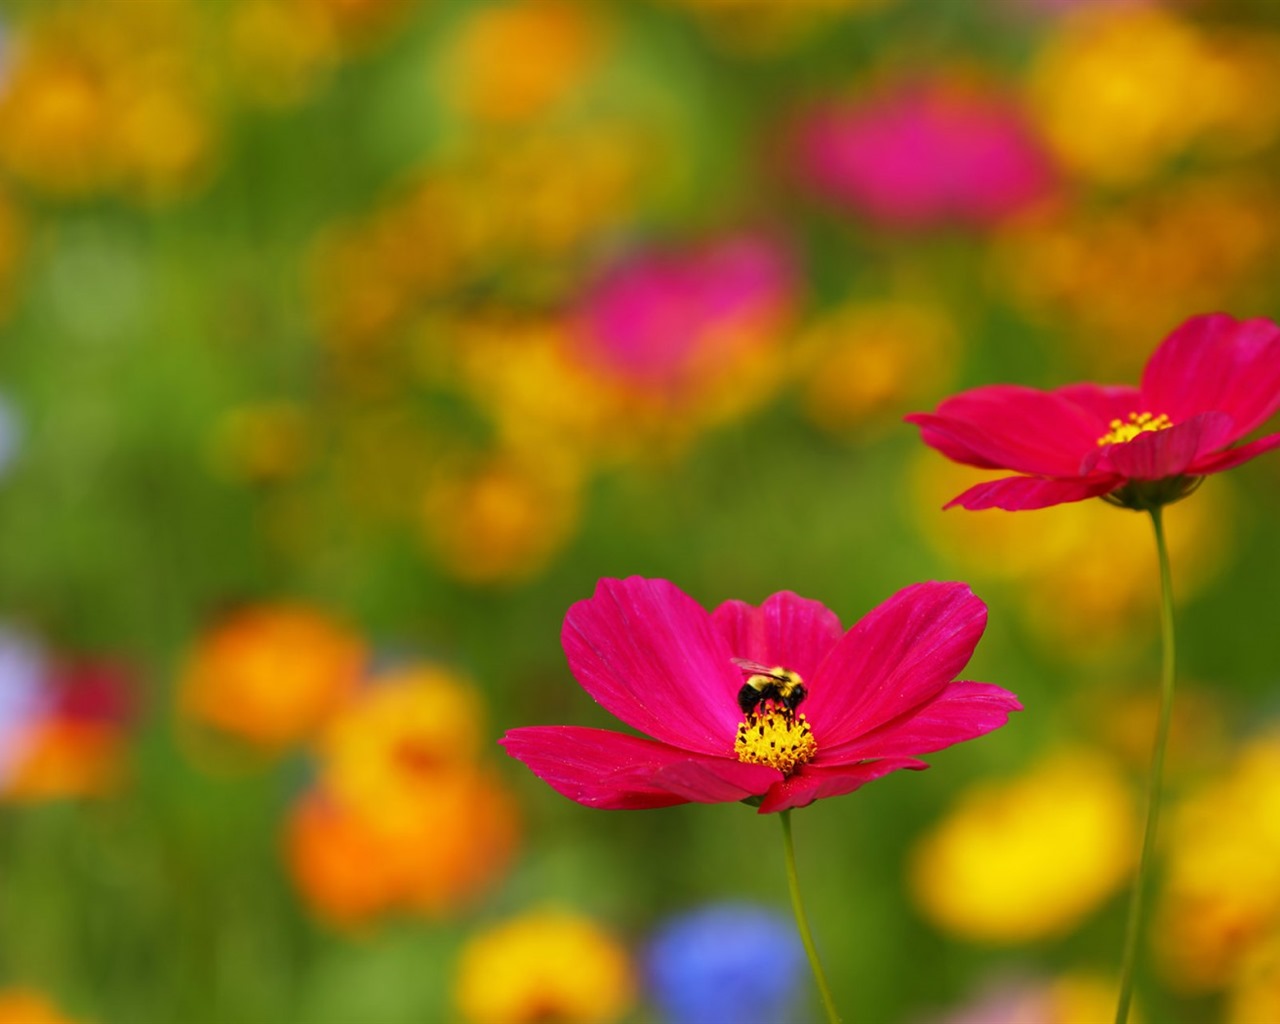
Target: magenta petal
<point>1104,402</point>
<point>962,711</point>
<point>810,783</point>
<point>786,630</point>
<point>1235,456</point>
<point>1216,363</point>
<point>613,771</point>
<point>1022,493</point>
<point>1157,454</point>
<point>1004,426</point>
<point>897,657</point>
<point>650,654</point>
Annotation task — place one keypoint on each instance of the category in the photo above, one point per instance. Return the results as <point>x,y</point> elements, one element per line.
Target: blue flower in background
<point>726,963</point>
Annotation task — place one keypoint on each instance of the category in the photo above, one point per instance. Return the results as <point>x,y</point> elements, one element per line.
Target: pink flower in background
<point>1211,382</point>
<point>660,317</point>
<point>923,154</point>
<point>776,703</point>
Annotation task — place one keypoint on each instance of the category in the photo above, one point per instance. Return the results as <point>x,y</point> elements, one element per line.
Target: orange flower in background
<point>544,965</point>
<point>405,815</point>
<point>28,1006</point>
<point>511,62</point>
<point>271,675</point>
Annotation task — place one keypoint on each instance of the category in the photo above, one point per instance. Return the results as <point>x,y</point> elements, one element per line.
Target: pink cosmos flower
<point>923,154</point>
<point>857,705</point>
<point>1211,382</point>
<point>662,314</point>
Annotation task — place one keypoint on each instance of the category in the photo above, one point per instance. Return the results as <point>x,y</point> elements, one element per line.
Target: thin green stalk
<point>1133,931</point>
<point>802,922</point>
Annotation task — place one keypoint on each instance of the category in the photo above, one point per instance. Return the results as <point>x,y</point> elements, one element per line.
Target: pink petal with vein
<point>650,655</point>
<point>786,630</point>
<point>895,658</point>
<point>613,771</point>
<point>1216,363</point>
<point>1020,493</point>
<point>1005,426</point>
<point>1235,456</point>
<point>812,783</point>
<point>1157,454</point>
<point>962,711</point>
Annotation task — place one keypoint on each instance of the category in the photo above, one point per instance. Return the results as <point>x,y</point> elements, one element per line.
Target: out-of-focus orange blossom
<point>406,815</point>
<point>1028,858</point>
<point>63,758</point>
<point>544,965</point>
<point>28,1006</point>
<point>513,61</point>
<point>271,675</point>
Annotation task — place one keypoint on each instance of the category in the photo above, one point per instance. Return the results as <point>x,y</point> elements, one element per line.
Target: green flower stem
<point>802,922</point>
<point>1133,931</point>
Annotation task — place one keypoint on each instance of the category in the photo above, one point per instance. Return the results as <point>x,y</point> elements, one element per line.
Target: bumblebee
<point>780,685</point>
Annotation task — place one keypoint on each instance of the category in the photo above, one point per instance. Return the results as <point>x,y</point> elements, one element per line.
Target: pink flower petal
<point>1021,493</point>
<point>613,771</point>
<point>1235,456</point>
<point>898,656</point>
<point>1004,426</point>
<point>1216,363</point>
<point>1104,402</point>
<point>1156,454</point>
<point>650,655</point>
<point>814,783</point>
<point>786,630</point>
<point>962,711</point>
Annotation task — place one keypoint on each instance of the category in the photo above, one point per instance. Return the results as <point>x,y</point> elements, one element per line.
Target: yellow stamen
<point>1138,423</point>
<point>775,737</point>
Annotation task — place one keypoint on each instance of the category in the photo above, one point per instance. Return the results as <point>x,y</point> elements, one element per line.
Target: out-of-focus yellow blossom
<point>271,675</point>
<point>1120,277</point>
<point>1079,997</point>
<point>1254,994</point>
<point>1221,897</point>
<point>1197,730</point>
<point>766,26</point>
<point>1119,90</point>
<point>1028,858</point>
<point>261,443</point>
<point>391,744</point>
<point>1083,570</point>
<point>27,1006</point>
<point>500,520</point>
<point>405,816</point>
<point>866,364</point>
<point>513,61</point>
<point>102,96</point>
<point>280,51</point>
<point>544,965</point>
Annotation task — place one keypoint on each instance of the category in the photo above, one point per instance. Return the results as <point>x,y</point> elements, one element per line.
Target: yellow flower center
<point>774,736</point>
<point>1138,423</point>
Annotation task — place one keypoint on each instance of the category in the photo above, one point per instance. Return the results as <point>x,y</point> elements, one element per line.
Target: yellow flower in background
<point>1117,276</point>
<point>1119,91</point>
<point>271,675</point>
<point>1221,896</point>
<point>280,51</point>
<point>865,364</point>
<point>1254,994</point>
<point>500,520</point>
<point>27,1006</point>
<point>392,742</point>
<point>1029,858</point>
<point>515,60</point>
<point>544,965</point>
<point>1068,568</point>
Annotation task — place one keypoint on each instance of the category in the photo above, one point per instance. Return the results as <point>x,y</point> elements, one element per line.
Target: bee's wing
<point>754,667</point>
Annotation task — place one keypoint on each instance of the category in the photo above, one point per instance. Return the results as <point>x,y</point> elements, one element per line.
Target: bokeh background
<point>346,343</point>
